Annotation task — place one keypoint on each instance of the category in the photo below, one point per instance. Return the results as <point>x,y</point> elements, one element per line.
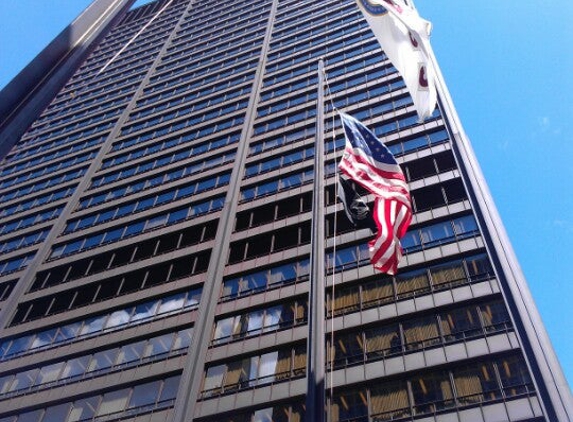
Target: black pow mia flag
<point>356,208</point>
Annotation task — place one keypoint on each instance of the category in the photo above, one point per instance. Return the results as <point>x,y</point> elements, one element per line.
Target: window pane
<point>170,386</point>
<point>75,367</point>
<point>145,394</point>
<point>131,353</point>
<point>56,413</point>
<point>49,373</point>
<point>113,402</point>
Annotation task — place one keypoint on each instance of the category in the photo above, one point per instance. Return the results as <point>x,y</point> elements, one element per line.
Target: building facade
<point>155,222</point>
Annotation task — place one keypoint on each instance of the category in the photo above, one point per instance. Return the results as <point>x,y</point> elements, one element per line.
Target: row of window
<point>195,119</point>
<point>84,118</point>
<point>96,325</point>
<point>266,279</point>
<point>23,241</point>
<point>353,48</point>
<point>205,67</point>
<point>385,340</point>
<point>375,92</point>
<point>68,101</point>
<point>203,26</point>
<point>277,185</point>
<point>277,413</point>
<point>201,148</point>
<point>115,234</point>
<point>253,371</point>
<point>43,185</point>
<point>181,172</point>
<point>214,45</point>
<point>66,139</point>
<point>126,402</point>
<point>328,34</point>
<point>146,203</point>
<point>30,220</point>
<point>286,104</point>
<point>144,249</point>
<point>91,120</point>
<point>429,166</point>
<point>49,169</point>
<point>431,392</point>
<point>47,157</point>
<point>186,88</point>
<point>311,25</point>
<point>208,56</point>
<point>271,242</point>
<point>279,162</point>
<point>309,14</point>
<point>37,201</point>
<point>309,81</point>
<point>95,364</point>
<point>417,239</point>
<point>191,81</point>
<point>210,15</point>
<point>209,129</point>
<point>267,143</point>
<point>138,186</point>
<point>284,120</point>
<point>103,54</point>
<point>260,321</point>
<point>241,33</point>
<point>15,264</point>
<point>406,284</point>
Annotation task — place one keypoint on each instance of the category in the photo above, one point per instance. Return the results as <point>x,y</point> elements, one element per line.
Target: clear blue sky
<point>508,67</point>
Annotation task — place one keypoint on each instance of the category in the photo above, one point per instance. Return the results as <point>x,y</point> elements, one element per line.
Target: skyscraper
<point>157,199</point>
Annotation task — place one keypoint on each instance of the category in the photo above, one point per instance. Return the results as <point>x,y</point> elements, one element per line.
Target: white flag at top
<point>404,37</point>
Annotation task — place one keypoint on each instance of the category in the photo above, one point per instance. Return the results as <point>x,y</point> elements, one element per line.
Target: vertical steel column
<point>316,395</point>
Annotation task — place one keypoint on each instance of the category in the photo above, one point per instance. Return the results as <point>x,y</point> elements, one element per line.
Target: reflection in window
<point>266,279</point>
<point>138,314</point>
<point>260,321</point>
<point>105,361</point>
<point>254,371</point>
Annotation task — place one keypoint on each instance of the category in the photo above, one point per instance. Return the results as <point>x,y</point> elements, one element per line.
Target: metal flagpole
<point>316,394</point>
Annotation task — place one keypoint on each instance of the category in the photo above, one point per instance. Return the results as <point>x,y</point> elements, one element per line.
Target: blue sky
<point>508,67</point>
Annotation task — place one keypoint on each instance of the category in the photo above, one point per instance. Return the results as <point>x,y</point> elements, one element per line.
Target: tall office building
<point>156,200</point>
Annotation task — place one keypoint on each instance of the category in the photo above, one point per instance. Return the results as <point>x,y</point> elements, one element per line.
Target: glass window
<point>49,373</point>
<point>117,319</point>
<point>75,367</point>
<point>432,392</point>
<point>144,394</point>
<point>169,390</point>
<point>24,380</point>
<point>131,353</point>
<point>93,325</point>
<point>102,360</point>
<point>33,416</point>
<point>113,402</point>
<point>5,383</point>
<point>351,405</point>
<point>145,310</point>
<point>214,378</point>
<point>183,339</point>
<point>390,401</point>
<point>173,303</point>
<point>159,345</point>
<point>57,413</point>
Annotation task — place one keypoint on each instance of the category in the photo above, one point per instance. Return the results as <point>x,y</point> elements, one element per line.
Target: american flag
<point>368,162</point>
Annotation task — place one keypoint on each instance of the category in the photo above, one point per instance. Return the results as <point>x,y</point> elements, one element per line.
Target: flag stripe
<point>368,162</point>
